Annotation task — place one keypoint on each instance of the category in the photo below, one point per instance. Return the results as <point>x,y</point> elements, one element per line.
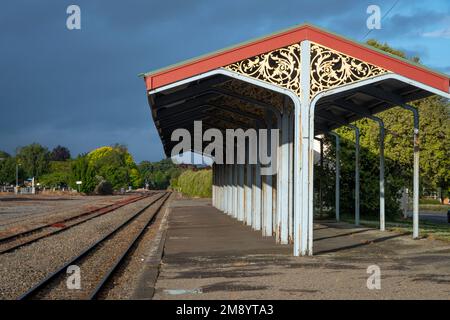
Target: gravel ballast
<point>25,267</point>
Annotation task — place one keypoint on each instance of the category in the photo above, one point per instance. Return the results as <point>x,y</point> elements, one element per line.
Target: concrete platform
<point>209,255</point>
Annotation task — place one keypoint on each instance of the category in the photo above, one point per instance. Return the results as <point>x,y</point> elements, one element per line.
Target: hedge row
<point>194,183</point>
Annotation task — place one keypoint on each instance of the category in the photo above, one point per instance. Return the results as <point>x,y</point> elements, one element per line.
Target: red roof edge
<point>296,35</point>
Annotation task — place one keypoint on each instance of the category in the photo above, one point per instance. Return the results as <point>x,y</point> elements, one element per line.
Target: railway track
<point>16,240</point>
<point>100,260</point>
<point>42,215</point>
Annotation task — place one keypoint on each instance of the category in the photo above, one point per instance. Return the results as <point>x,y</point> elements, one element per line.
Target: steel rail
<point>96,213</point>
<point>69,219</point>
<point>94,293</point>
<point>32,291</point>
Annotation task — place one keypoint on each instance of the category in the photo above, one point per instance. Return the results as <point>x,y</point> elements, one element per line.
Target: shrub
<point>104,188</point>
<point>195,183</point>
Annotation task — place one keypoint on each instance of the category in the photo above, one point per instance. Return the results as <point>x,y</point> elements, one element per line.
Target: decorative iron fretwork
<point>280,67</point>
<point>255,92</point>
<point>330,69</point>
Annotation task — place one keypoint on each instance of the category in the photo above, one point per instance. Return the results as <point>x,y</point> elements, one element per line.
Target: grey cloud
<point>80,88</point>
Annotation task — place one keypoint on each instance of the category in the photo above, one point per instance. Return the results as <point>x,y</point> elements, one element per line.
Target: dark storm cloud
<point>403,24</point>
<point>81,89</point>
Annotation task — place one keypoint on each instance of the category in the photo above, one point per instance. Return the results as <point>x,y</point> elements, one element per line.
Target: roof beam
<point>185,93</point>
<point>383,95</point>
<point>334,118</point>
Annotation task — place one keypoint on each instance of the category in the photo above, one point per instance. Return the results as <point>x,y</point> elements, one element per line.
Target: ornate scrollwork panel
<point>330,69</point>
<point>280,67</point>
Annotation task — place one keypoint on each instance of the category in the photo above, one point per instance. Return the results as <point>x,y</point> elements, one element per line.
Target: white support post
<point>268,206</point>
<point>248,194</point>
<point>416,180</point>
<point>301,159</point>
<point>232,190</point>
<point>338,176</point>
<point>241,205</point>
<point>267,209</point>
<point>235,191</point>
<point>213,186</point>
<point>357,201</point>
<point>222,187</point>
<point>283,176</point>
<point>416,184</point>
<point>307,161</point>
<point>225,188</point>
<point>382,192</point>
<point>277,201</point>
<point>219,187</point>
<point>415,170</point>
<point>229,188</point>
<point>257,198</point>
<point>290,177</point>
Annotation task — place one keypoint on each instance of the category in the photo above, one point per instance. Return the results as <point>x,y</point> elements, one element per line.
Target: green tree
<point>115,165</point>
<point>8,171</point>
<point>34,159</point>
<point>7,168</point>
<point>60,153</point>
<point>60,174</point>
<point>4,155</point>
<point>158,174</point>
<point>434,133</point>
<point>82,171</point>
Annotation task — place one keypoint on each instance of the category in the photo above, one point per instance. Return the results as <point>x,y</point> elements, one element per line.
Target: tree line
<point>434,133</point>
<point>101,170</point>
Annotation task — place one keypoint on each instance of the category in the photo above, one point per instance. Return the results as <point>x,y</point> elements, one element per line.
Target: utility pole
<point>17,178</point>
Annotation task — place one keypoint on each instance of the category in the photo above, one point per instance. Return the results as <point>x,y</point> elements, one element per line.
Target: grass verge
<point>427,229</point>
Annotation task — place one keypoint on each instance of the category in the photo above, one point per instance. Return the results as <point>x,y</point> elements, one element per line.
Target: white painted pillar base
<point>257,198</point>
<point>248,194</point>
<point>241,196</point>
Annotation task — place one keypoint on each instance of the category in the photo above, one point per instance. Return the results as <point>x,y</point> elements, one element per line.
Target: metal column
<point>213,185</point>
<point>320,180</point>
<point>283,177</point>
<point>217,202</point>
<point>382,192</point>
<point>225,187</point>
<point>267,210</point>
<point>229,188</point>
<point>338,176</point>
<point>290,179</point>
<point>267,206</point>
<point>415,170</point>
<point>241,206</point>
<point>231,204</point>
<point>366,113</point>
<point>257,198</point>
<point>357,134</point>
<point>222,188</point>
<point>235,190</point>
<point>248,194</point>
<point>301,158</point>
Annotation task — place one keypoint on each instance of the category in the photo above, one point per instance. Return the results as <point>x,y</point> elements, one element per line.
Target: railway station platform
<point>209,255</point>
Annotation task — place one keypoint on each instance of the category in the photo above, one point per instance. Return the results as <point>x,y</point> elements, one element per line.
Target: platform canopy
<point>304,81</point>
